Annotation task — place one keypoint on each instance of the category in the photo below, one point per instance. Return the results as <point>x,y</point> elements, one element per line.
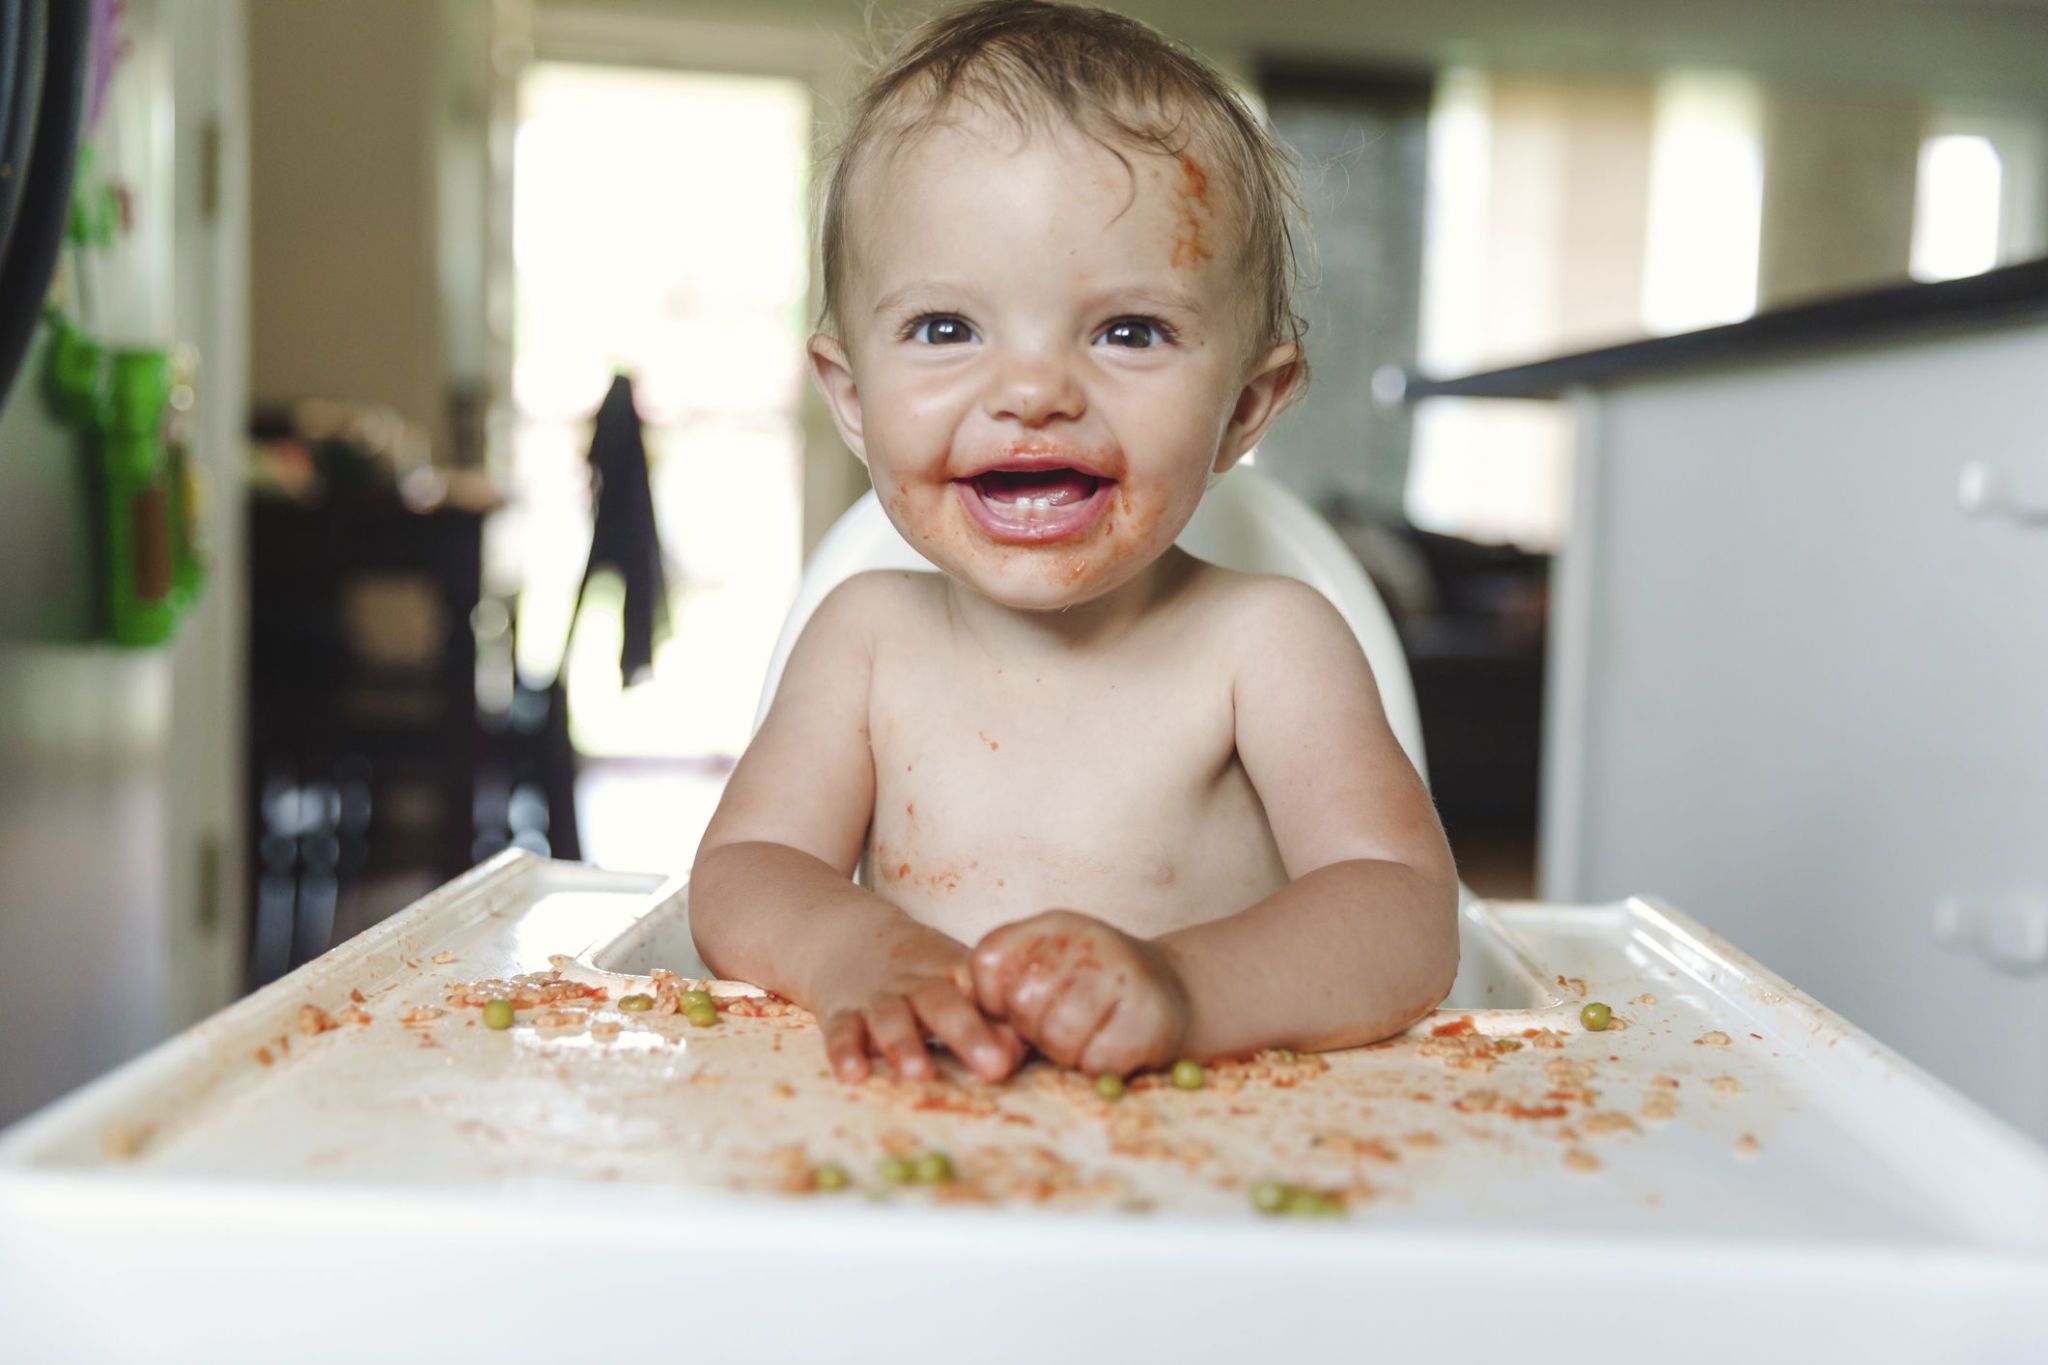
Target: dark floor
<point>1497,864</point>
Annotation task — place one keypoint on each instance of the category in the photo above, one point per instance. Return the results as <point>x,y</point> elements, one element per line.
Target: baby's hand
<point>1085,994</point>
<point>920,987</point>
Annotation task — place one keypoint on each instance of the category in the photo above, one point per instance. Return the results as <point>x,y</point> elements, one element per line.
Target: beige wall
<point>1839,180</point>
<point>1568,205</point>
<point>1979,50</point>
<point>344,299</point>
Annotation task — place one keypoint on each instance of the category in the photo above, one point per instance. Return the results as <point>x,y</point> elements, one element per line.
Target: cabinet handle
<point>1983,492</point>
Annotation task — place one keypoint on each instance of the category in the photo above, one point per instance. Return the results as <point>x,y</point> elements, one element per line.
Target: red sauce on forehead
<point>1188,248</point>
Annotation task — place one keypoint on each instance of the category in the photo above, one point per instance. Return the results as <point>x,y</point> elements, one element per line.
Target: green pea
<point>1270,1196</point>
<point>933,1168</point>
<point>498,1014</point>
<point>1189,1075</point>
<point>690,998</point>
<point>896,1170</point>
<point>829,1177</point>
<point>1309,1204</point>
<point>1595,1015</point>
<point>1109,1085</point>
<point>636,1004</point>
<point>703,1014</point>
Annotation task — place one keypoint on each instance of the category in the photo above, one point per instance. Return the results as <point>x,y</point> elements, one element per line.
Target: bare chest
<point>1000,794</point>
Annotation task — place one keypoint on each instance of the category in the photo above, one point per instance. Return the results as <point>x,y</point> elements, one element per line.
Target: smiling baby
<point>1105,800</point>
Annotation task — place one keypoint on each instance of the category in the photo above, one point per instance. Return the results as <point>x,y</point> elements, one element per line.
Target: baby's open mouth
<point>1035,506</point>
<point>1030,488</point>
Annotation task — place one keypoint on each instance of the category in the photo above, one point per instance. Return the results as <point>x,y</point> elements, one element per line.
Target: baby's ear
<point>1274,381</point>
<point>830,367</point>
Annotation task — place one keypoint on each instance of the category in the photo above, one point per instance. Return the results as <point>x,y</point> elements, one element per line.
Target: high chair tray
<point>1728,1154</point>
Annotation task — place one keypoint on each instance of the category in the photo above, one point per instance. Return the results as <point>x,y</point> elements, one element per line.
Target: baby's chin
<point>1047,579</point>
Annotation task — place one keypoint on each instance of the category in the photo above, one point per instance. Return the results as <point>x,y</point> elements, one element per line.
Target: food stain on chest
<point>893,863</point>
<point>993,745</point>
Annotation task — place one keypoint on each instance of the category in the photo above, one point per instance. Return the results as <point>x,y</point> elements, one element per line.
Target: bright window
<point>1957,207</point>
<point>659,226</point>
<point>1706,203</point>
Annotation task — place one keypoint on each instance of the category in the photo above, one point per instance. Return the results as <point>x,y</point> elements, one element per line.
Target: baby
<point>1106,801</point>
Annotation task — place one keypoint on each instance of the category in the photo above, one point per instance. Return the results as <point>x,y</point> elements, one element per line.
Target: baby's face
<point>1044,355</point>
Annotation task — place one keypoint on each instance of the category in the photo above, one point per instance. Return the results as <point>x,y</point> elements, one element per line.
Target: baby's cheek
<point>1133,529</point>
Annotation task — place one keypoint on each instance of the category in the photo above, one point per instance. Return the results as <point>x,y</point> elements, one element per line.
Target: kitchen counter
<point>1922,309</point>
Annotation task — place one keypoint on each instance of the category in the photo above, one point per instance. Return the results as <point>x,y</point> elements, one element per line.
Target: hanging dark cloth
<point>623,537</point>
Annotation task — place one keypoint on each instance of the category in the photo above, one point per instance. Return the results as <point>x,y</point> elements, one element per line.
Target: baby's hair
<point>1109,76</point>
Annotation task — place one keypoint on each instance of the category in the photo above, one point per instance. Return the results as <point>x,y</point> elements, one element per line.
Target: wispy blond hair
<point>1109,76</point>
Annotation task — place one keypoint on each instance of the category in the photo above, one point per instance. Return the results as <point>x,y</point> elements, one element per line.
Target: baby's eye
<point>941,331</point>
<point>1139,334</point>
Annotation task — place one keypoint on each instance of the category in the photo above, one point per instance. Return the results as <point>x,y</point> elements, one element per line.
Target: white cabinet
<point>1797,688</point>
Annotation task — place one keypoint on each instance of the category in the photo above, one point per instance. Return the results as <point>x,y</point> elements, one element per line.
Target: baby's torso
<point>1110,786</point>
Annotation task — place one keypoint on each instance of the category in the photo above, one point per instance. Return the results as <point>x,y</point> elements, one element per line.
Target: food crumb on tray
<point>524,992</point>
<point>1659,1107</point>
<point>123,1141</point>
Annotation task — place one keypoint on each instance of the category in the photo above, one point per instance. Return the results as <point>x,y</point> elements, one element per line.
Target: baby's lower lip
<point>1033,521</point>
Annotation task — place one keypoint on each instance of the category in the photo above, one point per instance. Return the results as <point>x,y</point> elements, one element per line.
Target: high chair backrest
<point>1246,522</point>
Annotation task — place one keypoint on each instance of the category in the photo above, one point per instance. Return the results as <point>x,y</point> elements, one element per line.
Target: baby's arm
<point>771,900</point>
<point>1361,941</point>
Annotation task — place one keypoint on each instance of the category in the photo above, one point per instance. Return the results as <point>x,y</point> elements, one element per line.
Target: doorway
<point>660,230</point>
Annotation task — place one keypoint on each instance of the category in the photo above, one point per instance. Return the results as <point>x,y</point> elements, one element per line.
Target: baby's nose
<point>1033,389</point>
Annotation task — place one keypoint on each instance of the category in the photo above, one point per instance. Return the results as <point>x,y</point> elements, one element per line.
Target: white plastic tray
<point>385,1191</point>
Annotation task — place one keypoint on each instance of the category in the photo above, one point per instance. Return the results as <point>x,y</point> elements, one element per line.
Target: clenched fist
<point>1083,993</point>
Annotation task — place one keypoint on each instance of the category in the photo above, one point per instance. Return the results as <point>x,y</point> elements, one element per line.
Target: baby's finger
<point>1069,1026</point>
<point>846,1045</point>
<point>895,1033</point>
<point>946,1012</point>
<point>1014,1047</point>
<point>1035,997</point>
<point>992,963</point>
<point>1124,1042</point>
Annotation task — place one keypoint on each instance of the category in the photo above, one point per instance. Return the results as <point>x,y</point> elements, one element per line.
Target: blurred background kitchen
<point>309,599</point>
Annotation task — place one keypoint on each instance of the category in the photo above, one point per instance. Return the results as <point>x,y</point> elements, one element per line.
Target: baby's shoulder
<point>878,603</point>
<point>1261,611</point>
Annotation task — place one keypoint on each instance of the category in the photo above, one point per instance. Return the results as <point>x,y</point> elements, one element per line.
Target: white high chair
<point>1246,522</point>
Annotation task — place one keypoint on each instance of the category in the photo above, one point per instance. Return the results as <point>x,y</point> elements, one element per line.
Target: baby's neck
<point>1090,627</point>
